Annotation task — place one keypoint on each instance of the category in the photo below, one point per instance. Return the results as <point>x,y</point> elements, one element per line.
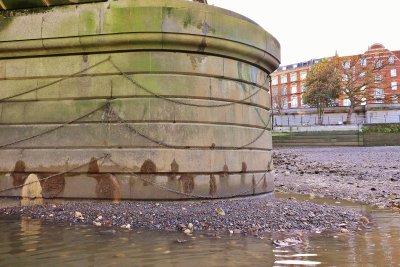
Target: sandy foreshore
<point>369,175</point>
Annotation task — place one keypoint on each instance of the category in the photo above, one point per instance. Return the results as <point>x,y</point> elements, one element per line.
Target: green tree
<point>323,85</point>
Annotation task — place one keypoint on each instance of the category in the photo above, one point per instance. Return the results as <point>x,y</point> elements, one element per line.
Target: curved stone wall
<point>161,99</point>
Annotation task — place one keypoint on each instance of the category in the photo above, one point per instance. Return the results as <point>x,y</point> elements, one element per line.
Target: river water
<point>26,242</point>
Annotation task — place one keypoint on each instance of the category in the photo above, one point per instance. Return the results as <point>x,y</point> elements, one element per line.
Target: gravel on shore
<point>370,175</point>
<point>252,216</point>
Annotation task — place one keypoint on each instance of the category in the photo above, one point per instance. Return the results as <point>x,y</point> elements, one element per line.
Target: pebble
<point>252,216</point>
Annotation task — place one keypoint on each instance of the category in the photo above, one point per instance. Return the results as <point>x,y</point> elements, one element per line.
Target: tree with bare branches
<point>362,79</point>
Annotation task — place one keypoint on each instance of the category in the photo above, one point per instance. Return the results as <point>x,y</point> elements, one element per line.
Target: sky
<point>310,29</point>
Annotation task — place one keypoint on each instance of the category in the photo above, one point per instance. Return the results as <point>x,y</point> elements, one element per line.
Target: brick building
<point>287,83</point>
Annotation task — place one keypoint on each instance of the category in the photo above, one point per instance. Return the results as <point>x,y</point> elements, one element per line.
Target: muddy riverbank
<point>253,216</point>
<point>370,175</point>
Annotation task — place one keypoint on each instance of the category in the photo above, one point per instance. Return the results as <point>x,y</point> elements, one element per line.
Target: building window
<point>346,65</point>
<point>363,101</point>
<point>293,76</point>
<point>362,89</point>
<point>294,103</point>
<point>294,89</point>
<point>378,64</point>
<point>294,66</point>
<point>346,102</point>
<point>274,91</point>
<point>395,99</point>
<point>303,75</point>
<point>393,73</point>
<point>284,68</point>
<point>284,103</point>
<point>284,91</point>
<point>378,77</point>
<point>345,78</point>
<point>303,88</point>
<point>362,74</point>
<point>394,85</point>
<point>284,78</point>
<point>274,80</point>
<point>378,93</point>
<point>274,104</point>
<point>363,62</point>
<point>391,60</point>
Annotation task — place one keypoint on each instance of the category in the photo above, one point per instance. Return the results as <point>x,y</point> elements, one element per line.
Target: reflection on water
<point>30,242</point>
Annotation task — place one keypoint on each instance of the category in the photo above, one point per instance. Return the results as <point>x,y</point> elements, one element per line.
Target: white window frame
<point>346,64</point>
<point>284,90</point>
<point>391,59</point>
<point>303,75</point>
<point>378,77</point>
<point>293,76</point>
<point>346,102</point>
<point>294,100</point>
<point>275,91</point>
<point>393,72</point>
<point>284,78</point>
<point>363,62</point>
<point>379,93</point>
<point>295,89</point>
<point>393,85</point>
<point>284,103</point>
<point>274,80</point>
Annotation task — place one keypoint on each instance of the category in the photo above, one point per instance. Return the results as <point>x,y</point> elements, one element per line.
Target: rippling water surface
<point>32,243</point>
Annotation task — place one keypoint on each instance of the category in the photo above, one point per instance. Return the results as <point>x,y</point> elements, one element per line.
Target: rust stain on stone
<point>187,183</point>
<point>53,186</point>
<point>224,177</point>
<point>243,175</point>
<point>253,183</point>
<point>93,166</point>
<point>174,170</point>
<point>244,167</point>
<point>107,186</point>
<point>203,45</point>
<point>213,185</point>
<point>265,184</point>
<point>18,174</point>
<point>148,169</point>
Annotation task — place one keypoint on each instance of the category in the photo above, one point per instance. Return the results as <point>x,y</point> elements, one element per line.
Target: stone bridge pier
<point>133,99</point>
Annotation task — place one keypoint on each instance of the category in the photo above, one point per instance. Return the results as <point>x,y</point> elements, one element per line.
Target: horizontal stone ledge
<point>157,63</point>
<point>128,160</point>
<point>150,110</point>
<point>138,76</point>
<point>126,186</point>
<point>190,101</point>
<point>139,42</point>
<point>13,4</point>
<point>137,135</point>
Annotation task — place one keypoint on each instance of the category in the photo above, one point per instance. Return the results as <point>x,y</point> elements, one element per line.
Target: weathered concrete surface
<point>175,93</point>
